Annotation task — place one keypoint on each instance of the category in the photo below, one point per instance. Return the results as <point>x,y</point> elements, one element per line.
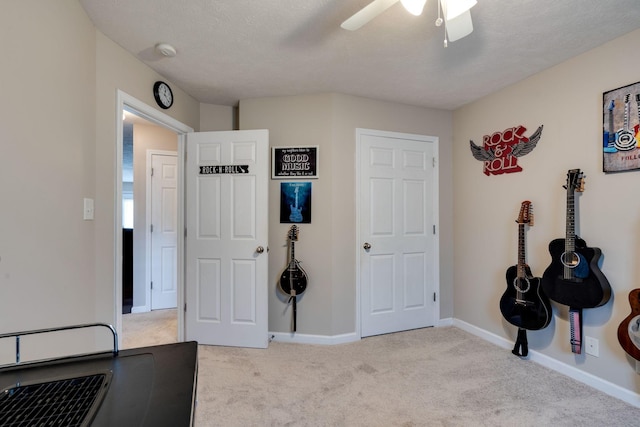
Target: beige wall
<point>327,246</point>
<point>218,117</point>
<point>47,164</point>
<point>117,69</point>
<point>58,133</point>
<point>567,100</point>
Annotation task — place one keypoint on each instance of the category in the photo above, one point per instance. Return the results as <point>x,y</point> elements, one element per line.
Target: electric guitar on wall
<point>524,304</point>
<point>636,128</point>
<point>609,139</point>
<point>626,139</point>
<point>293,280</point>
<point>629,329</point>
<point>573,278</point>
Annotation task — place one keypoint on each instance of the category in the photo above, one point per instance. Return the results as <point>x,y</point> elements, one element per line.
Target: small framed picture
<point>621,129</point>
<point>294,162</point>
<point>295,202</point>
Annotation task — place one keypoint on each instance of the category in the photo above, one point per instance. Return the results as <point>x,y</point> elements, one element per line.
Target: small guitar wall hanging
<point>293,280</point>
<point>500,150</point>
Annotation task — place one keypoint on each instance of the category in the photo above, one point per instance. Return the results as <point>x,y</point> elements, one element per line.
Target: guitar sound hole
<point>520,282</point>
<point>570,259</point>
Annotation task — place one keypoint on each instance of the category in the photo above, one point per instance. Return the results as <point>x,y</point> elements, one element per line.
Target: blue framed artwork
<point>295,202</point>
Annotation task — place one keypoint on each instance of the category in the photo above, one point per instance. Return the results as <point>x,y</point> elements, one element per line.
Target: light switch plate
<point>88,209</point>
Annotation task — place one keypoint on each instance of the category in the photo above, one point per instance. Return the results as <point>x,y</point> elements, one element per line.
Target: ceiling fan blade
<point>366,14</point>
<point>459,27</point>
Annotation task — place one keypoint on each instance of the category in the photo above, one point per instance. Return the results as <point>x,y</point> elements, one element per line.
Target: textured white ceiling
<point>238,49</point>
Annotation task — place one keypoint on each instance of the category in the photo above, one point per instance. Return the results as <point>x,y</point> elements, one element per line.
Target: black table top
<point>149,386</point>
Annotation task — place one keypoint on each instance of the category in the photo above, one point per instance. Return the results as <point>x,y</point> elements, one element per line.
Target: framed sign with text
<point>294,162</point>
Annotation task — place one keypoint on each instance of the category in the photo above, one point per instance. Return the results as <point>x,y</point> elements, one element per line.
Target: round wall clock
<point>163,95</point>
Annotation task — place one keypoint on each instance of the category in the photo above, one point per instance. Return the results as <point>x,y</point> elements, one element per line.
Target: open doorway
<point>146,139</point>
<point>149,232</point>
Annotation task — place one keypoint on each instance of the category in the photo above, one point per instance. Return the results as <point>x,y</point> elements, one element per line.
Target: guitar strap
<point>293,298</point>
<point>575,323</point>
<point>521,349</point>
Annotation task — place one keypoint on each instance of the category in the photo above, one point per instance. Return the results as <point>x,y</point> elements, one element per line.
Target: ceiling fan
<point>457,16</point>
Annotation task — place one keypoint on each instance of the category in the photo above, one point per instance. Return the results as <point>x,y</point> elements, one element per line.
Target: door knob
<point>259,249</point>
<point>366,246</point>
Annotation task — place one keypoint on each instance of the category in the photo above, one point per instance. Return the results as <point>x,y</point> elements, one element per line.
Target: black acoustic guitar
<point>629,329</point>
<point>293,280</point>
<point>573,278</point>
<point>524,304</point>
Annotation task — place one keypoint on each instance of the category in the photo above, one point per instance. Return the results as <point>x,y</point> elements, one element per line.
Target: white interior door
<point>227,176</point>
<point>164,231</point>
<point>397,231</point>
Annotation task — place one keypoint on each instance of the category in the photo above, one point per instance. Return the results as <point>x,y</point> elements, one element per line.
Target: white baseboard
<point>139,309</point>
<point>313,339</point>
<point>445,322</point>
<point>551,363</point>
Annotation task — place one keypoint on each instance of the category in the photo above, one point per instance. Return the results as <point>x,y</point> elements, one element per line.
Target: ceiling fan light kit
<point>455,8</point>
<point>414,7</point>
<point>457,16</point>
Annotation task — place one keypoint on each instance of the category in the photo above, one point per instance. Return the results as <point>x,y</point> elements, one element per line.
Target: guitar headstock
<point>526,213</point>
<point>293,233</point>
<point>575,180</point>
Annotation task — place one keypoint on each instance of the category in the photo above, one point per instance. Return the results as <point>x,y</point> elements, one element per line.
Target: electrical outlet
<point>591,346</point>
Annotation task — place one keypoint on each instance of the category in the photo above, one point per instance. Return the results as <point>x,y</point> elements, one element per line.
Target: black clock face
<point>163,95</point>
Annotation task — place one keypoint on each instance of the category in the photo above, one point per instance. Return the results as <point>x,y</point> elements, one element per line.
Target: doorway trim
<point>127,102</point>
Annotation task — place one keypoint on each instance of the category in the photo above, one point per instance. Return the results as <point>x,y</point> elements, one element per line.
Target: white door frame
<point>147,232</point>
<point>126,101</point>
<point>436,218</point>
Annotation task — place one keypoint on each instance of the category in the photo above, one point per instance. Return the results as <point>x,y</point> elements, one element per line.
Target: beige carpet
<point>151,328</point>
<point>426,377</point>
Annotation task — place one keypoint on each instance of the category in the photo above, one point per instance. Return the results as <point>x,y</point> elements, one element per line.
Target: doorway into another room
<point>149,232</point>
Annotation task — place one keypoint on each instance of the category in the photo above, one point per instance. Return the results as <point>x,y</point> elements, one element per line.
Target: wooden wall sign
<point>500,150</point>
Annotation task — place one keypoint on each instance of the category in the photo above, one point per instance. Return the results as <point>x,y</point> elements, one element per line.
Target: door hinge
<point>151,228</point>
<point>152,284</point>
<point>151,171</point>
<point>433,160</point>
<point>434,297</point>
<point>434,229</point>
<point>185,307</point>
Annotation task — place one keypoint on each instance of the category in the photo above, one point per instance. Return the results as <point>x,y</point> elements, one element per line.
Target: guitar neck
<point>626,112</point>
<point>521,273</point>
<point>570,238</point>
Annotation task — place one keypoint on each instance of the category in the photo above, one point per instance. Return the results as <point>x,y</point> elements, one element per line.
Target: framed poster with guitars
<point>573,278</point>
<point>621,129</point>
<point>293,280</point>
<point>524,304</point>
